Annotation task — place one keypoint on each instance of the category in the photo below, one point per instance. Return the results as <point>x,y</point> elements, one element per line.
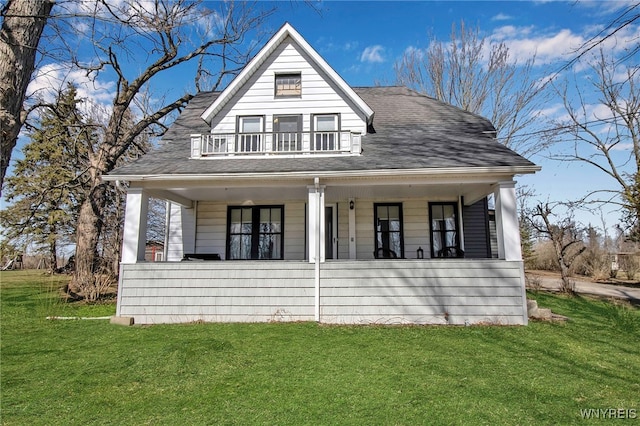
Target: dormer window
<point>288,85</point>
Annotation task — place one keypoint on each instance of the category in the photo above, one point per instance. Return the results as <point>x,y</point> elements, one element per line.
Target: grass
<point>91,372</point>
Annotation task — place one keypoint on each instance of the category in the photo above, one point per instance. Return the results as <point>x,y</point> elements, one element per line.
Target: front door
<point>330,232</point>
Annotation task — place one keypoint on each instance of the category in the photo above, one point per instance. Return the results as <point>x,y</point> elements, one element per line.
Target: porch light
<point>420,253</point>
<point>351,205</point>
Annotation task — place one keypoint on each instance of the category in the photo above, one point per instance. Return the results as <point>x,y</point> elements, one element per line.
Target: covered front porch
<point>337,218</point>
<point>322,252</point>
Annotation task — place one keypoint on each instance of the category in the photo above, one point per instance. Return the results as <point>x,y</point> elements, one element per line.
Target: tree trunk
<point>567,286</point>
<point>88,232</point>
<point>53,261</point>
<point>22,26</point>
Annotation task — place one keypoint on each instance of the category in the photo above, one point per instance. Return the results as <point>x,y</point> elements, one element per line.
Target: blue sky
<point>362,40</point>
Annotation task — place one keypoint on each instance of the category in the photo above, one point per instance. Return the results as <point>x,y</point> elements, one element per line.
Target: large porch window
<point>255,232</point>
<point>445,235</point>
<point>389,231</point>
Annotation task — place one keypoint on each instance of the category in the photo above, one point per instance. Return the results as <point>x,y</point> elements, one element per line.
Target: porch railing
<point>221,144</point>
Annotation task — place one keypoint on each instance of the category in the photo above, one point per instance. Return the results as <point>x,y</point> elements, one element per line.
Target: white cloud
<point>350,45</point>
<point>373,54</point>
<point>547,48</point>
<point>501,17</point>
<point>562,44</point>
<point>550,111</point>
<point>414,52</point>
<point>52,78</point>
<point>604,8</point>
<point>329,45</point>
<point>626,147</point>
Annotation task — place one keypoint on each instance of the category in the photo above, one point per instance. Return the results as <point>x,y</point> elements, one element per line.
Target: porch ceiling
<point>254,194</point>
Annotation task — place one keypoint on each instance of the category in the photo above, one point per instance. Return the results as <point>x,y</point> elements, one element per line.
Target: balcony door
<point>325,135</point>
<point>249,134</point>
<point>287,131</point>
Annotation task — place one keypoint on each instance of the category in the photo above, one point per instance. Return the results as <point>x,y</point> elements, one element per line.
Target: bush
<point>594,263</point>
<point>545,257</point>
<point>629,263</point>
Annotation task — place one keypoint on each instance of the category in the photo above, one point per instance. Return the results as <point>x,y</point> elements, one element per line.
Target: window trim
<point>295,74</point>
<point>375,227</point>
<point>314,127</point>
<point>255,230</point>
<point>456,218</point>
<point>240,119</point>
<point>276,124</point>
<point>239,124</point>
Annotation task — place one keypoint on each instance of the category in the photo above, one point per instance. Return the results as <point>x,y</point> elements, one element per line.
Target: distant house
<point>324,202</point>
<point>154,251</point>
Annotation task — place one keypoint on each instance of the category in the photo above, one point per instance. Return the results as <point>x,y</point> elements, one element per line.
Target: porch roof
<point>411,132</point>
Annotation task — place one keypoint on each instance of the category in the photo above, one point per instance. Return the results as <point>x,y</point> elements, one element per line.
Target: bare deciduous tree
<point>165,31</point>
<point>478,76</point>
<point>564,236</point>
<point>627,16</point>
<point>22,24</point>
<point>606,134</point>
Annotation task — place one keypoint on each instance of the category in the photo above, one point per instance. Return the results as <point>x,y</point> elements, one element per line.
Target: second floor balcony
<point>278,143</point>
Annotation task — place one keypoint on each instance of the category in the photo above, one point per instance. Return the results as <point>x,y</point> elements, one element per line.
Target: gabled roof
<point>286,31</point>
<point>412,132</point>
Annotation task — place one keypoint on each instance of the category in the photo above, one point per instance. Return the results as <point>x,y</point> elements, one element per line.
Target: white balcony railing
<point>221,144</point>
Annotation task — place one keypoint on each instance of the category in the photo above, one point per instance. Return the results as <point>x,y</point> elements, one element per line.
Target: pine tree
<point>45,190</point>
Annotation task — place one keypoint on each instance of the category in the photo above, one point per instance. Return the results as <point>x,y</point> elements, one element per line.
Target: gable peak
<point>287,30</point>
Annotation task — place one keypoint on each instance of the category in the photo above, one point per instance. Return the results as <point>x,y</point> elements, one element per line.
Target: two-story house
<point>294,196</point>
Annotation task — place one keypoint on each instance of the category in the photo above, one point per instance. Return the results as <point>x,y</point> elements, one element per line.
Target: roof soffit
<point>286,31</point>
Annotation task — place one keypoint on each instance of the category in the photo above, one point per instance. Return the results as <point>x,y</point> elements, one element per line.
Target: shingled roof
<point>410,131</point>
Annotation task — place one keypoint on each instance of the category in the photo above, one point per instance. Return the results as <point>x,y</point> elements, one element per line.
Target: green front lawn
<point>90,372</point>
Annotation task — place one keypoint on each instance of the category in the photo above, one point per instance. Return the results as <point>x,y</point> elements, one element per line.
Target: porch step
<point>126,321</point>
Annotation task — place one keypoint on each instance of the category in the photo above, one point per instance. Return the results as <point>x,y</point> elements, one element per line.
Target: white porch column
<point>316,237</point>
<point>507,226</point>
<point>316,222</point>
<point>135,226</point>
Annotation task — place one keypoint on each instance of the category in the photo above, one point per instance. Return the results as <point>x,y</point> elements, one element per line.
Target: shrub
<point>630,264</point>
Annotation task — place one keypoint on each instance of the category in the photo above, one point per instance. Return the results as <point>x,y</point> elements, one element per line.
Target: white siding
<point>422,292</point>
<point>364,229</point>
<point>211,230</point>
<point>429,291</point>
<point>294,231</point>
<point>257,95</point>
<point>240,291</point>
<point>416,227</point>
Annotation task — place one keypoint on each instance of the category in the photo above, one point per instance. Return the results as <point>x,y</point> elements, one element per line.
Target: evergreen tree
<point>45,190</point>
